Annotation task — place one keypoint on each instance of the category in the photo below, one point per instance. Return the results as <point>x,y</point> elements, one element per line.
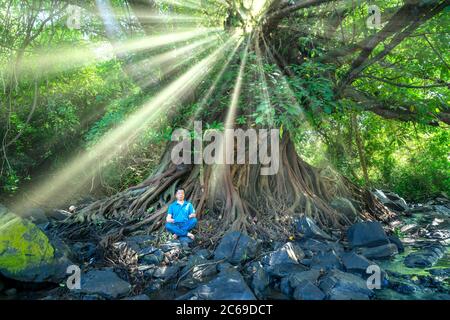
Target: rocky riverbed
<point>405,259</point>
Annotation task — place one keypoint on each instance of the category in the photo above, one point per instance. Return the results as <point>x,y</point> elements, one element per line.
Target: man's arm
<point>169,218</point>
<point>191,211</point>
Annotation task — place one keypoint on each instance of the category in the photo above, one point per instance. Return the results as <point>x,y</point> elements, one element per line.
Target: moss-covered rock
<point>26,253</point>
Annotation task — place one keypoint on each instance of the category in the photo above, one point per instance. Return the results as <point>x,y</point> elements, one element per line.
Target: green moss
<point>22,245</point>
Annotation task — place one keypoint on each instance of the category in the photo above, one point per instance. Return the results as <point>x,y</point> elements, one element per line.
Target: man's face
<point>180,195</point>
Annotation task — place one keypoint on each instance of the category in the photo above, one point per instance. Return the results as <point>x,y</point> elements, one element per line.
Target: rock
<point>147,250</point>
<point>27,254</point>
<point>355,263</point>
<point>443,272</point>
<point>156,258</point>
<point>338,285</point>
<point>224,266</point>
<point>260,279</point>
<point>36,215</point>
<point>171,245</point>
<point>367,234</point>
<point>313,245</point>
<point>166,272</point>
<point>327,261</point>
<point>403,287</point>
<point>84,251</point>
<point>185,242</point>
<point>138,243</point>
<point>283,261</point>
<point>426,257</point>
<point>420,208</point>
<point>442,209</point>
<point>105,283</point>
<point>10,292</point>
<point>154,287</point>
<point>204,253</point>
<point>196,271</point>
<point>438,234</point>
<point>397,202</point>
<point>309,229</point>
<point>380,252</point>
<point>92,297</point>
<point>391,200</point>
<point>285,287</point>
<point>410,228</point>
<point>308,291</point>
<point>298,277</point>
<point>229,285</point>
<point>59,215</point>
<point>236,247</point>
<point>344,206</point>
<point>395,240</point>
<point>139,297</point>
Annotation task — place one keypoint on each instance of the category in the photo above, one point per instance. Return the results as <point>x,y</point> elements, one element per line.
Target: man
<point>181,217</point>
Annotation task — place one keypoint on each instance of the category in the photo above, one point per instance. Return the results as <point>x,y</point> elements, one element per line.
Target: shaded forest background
<point>48,118</point>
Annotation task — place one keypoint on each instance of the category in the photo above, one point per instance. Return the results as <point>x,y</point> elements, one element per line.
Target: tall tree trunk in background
<point>360,146</point>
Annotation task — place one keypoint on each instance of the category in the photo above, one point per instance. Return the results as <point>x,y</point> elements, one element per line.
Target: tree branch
<point>403,85</point>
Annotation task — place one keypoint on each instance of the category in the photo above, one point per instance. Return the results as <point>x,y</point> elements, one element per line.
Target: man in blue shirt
<point>181,216</point>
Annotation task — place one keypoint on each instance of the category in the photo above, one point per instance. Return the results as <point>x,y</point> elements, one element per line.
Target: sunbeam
<point>69,58</point>
<point>82,168</point>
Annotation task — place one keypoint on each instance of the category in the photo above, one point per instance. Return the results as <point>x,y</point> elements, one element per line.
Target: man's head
<point>179,194</point>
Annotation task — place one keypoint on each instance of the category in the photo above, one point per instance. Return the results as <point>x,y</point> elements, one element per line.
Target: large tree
<point>323,59</point>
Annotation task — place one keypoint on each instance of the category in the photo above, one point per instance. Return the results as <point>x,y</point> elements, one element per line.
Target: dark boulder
<point>236,247</point>
<point>166,272</point>
<point>326,261</point>
<point>284,261</point>
<point>367,234</point>
<point>147,250</point>
<point>426,257</point>
<point>346,207</point>
<point>395,240</point>
<point>403,287</point>
<point>380,252</point>
<point>260,279</point>
<point>140,297</point>
<point>196,271</point>
<point>308,291</point>
<point>313,245</point>
<point>441,272</point>
<point>105,283</point>
<point>391,200</point>
<point>229,285</point>
<point>35,215</point>
<point>27,254</point>
<point>308,229</point>
<point>338,285</point>
<point>84,251</point>
<point>355,263</point>
<point>155,258</point>
<point>171,245</point>
<point>298,277</point>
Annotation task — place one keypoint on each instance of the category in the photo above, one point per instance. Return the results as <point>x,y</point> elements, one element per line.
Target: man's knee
<point>193,222</point>
<point>169,226</point>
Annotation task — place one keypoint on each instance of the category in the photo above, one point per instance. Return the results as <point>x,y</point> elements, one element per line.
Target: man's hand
<point>192,215</point>
<point>170,219</point>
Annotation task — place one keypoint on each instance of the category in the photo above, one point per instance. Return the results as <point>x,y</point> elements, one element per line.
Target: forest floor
<point>413,262</point>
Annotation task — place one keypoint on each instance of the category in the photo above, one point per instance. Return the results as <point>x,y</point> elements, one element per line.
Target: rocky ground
<point>411,253</point>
